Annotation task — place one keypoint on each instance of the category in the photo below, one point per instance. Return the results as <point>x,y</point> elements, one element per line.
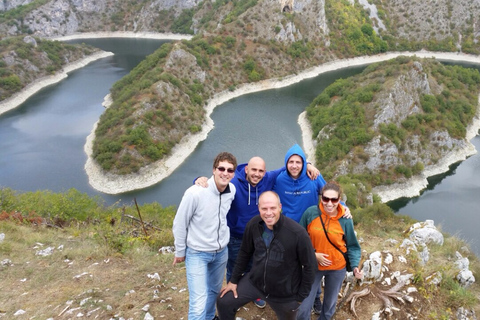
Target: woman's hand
<point>358,273</point>
<point>322,259</point>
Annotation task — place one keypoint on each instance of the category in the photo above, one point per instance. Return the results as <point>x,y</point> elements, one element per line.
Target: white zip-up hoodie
<point>200,222</point>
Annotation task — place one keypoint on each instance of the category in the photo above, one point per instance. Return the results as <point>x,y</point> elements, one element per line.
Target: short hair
<point>332,185</point>
<point>225,156</point>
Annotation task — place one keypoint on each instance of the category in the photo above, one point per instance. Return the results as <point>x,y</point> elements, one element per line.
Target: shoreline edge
<point>156,172</point>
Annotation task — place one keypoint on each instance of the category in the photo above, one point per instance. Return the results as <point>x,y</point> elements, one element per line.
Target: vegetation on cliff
<point>145,122</point>
<point>414,110</point>
<point>236,42</point>
<point>25,60</point>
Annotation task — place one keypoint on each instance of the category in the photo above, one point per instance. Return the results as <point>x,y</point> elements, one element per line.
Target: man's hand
<point>178,260</point>
<point>230,287</point>
<point>202,182</point>
<point>347,214</point>
<point>312,172</point>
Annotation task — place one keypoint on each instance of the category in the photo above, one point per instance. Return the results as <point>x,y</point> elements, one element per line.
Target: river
<point>42,140</point>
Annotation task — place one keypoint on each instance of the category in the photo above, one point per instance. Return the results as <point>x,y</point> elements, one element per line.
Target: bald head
<point>270,208</point>
<point>255,170</point>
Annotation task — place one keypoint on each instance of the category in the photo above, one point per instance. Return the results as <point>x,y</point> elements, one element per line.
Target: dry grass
<point>84,277</point>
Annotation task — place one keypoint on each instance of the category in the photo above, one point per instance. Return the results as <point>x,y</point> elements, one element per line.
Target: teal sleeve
<point>308,216</point>
<point>353,247</point>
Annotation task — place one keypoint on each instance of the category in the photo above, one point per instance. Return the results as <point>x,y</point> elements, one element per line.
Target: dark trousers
<point>228,305</point>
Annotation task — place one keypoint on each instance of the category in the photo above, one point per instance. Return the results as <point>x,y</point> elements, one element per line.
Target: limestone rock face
<point>11,4</point>
<point>55,18</point>
<point>179,59</point>
<point>401,101</point>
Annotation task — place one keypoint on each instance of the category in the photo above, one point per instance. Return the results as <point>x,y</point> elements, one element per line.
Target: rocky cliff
<point>244,42</point>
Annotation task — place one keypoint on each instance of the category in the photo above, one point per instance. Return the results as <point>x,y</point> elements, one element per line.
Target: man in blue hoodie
<point>251,180</point>
<point>296,190</point>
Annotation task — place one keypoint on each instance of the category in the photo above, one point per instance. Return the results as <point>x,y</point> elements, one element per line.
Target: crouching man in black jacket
<point>283,267</point>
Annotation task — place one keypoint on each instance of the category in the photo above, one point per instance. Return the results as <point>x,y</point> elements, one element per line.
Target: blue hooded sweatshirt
<point>297,195</point>
<point>245,204</point>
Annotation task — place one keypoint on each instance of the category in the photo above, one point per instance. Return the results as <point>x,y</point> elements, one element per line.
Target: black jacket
<point>286,270</point>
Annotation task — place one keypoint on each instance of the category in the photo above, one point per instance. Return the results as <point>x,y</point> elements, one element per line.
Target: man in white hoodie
<point>201,236</point>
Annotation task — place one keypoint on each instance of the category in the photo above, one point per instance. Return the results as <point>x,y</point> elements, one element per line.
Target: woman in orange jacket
<point>321,221</point>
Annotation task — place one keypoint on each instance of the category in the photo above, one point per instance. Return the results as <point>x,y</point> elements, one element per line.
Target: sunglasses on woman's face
<point>327,199</point>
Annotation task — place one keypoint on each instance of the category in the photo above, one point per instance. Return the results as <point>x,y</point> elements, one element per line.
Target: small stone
<point>19,312</point>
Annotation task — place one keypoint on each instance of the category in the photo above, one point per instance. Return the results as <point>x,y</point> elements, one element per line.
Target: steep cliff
<point>25,60</point>
<point>394,121</point>
<point>164,100</point>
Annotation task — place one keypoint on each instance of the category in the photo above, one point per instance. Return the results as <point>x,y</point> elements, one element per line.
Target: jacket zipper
<point>265,267</point>
<point>219,221</point>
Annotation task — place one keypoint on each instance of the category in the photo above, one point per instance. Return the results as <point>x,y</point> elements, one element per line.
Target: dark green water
<point>41,141</point>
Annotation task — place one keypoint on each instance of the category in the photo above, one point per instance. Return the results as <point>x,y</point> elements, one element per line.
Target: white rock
<point>130,292</point>
<point>2,237</point>
<point>408,245</point>
<point>148,316</point>
<point>372,267</point>
<point>85,301</point>
<point>6,262</point>
<point>80,275</point>
<point>466,278</point>
<point>461,263</point>
<point>165,250</point>
<point>426,235</point>
<point>155,276</point>
<point>388,259</point>
<point>434,279</point>
<point>19,312</point>
<point>46,252</point>
<point>376,316</point>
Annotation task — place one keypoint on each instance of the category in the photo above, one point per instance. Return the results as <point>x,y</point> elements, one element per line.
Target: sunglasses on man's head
<point>327,199</point>
<point>222,169</point>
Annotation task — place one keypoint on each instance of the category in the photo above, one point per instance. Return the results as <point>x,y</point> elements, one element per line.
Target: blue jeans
<point>205,272</point>
<point>234,245</point>
<point>333,283</point>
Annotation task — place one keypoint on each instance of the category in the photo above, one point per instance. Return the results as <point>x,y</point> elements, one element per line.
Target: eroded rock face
<point>402,100</point>
<point>181,60</point>
<point>55,18</point>
<point>12,4</point>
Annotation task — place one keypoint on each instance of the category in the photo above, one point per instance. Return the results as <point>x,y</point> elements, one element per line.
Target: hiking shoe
<point>317,306</point>
<point>260,303</point>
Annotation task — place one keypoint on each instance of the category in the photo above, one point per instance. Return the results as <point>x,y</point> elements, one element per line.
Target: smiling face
<point>270,208</point>
<point>222,174</point>
<point>255,170</point>
<point>295,166</point>
<point>331,204</point>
